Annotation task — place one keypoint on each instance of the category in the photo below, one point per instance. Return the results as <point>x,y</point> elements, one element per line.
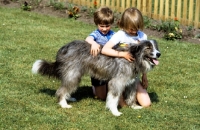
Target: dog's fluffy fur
<point>74,60</point>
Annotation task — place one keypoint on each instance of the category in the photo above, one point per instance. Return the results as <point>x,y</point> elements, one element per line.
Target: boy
<point>103,19</point>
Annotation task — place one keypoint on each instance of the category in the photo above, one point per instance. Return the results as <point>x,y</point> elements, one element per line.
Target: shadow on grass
<point>86,92</point>
<point>81,93</point>
<point>153,97</point>
<point>48,91</point>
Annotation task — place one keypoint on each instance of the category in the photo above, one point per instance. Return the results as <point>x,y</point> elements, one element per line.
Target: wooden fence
<point>186,11</point>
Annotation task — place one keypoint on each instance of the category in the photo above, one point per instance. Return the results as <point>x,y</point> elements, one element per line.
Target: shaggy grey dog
<point>74,60</point>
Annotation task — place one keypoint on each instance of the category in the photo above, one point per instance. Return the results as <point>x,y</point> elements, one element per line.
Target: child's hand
<point>95,49</point>
<point>126,55</point>
<point>144,81</point>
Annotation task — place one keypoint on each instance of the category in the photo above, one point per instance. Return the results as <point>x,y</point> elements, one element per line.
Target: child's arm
<point>108,50</point>
<point>95,47</point>
<point>144,81</point>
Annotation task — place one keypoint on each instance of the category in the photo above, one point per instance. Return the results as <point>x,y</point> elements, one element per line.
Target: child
<point>130,24</point>
<point>103,18</point>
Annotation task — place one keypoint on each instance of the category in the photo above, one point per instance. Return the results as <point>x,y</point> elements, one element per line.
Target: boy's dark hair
<point>103,15</point>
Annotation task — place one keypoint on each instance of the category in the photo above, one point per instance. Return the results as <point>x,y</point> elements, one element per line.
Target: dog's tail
<point>46,68</point>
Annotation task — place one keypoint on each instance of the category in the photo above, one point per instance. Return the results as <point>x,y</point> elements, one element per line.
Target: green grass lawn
<point>27,101</point>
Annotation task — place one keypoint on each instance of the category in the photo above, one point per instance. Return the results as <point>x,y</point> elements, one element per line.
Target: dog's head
<point>147,51</point>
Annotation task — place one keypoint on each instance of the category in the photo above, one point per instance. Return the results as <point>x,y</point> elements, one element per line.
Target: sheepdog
<point>74,60</point>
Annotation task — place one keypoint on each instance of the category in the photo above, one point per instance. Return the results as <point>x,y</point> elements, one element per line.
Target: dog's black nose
<point>158,54</point>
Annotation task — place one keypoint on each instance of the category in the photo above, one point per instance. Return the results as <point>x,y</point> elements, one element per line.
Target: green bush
<point>26,6</point>
<point>57,5</point>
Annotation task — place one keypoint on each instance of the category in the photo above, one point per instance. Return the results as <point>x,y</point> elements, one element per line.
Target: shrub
<point>171,28</point>
<point>197,35</point>
<point>57,5</point>
<point>147,22</point>
<point>26,7</point>
<point>73,11</point>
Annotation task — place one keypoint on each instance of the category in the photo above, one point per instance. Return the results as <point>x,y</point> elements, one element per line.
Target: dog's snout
<point>158,54</point>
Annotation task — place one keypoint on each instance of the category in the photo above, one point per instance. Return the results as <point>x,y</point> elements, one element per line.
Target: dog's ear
<point>135,49</point>
<point>154,42</point>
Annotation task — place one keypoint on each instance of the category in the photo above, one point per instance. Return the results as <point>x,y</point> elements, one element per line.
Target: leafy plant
<point>26,6</point>
<point>73,11</point>
<point>189,28</point>
<point>174,34</point>
<point>197,35</point>
<point>57,5</point>
<point>91,11</point>
<point>95,4</point>
<point>171,28</point>
<point>147,22</point>
<point>84,8</point>
<point>168,26</point>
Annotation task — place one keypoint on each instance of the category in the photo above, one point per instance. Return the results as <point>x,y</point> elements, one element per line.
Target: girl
<point>131,24</point>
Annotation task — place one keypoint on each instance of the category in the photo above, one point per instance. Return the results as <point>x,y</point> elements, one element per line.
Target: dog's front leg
<point>130,93</point>
<point>112,103</point>
<point>115,88</point>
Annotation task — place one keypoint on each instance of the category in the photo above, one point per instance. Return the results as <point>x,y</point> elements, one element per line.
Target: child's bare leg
<point>99,88</point>
<point>100,92</point>
<point>122,102</point>
<point>142,96</point>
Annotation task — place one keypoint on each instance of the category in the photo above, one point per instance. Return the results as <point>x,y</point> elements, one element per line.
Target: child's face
<point>131,32</point>
<point>104,28</point>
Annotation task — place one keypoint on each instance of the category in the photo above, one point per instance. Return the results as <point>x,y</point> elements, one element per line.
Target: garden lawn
<point>27,101</point>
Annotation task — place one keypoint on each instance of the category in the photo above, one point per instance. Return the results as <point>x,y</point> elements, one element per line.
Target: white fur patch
<point>64,104</point>
<point>130,81</point>
<point>148,67</point>
<point>155,51</point>
<point>111,104</point>
<point>36,66</point>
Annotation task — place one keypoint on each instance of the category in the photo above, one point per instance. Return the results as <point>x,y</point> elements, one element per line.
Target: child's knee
<point>146,104</point>
<point>143,97</point>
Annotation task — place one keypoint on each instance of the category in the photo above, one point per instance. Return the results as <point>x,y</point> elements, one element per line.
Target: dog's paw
<point>117,113</point>
<point>72,99</point>
<point>64,104</point>
<point>136,107</point>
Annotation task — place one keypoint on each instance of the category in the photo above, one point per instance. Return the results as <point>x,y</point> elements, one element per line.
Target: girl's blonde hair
<point>103,15</point>
<point>131,19</point>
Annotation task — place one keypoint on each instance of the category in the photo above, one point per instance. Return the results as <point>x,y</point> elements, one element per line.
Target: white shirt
<point>122,37</point>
